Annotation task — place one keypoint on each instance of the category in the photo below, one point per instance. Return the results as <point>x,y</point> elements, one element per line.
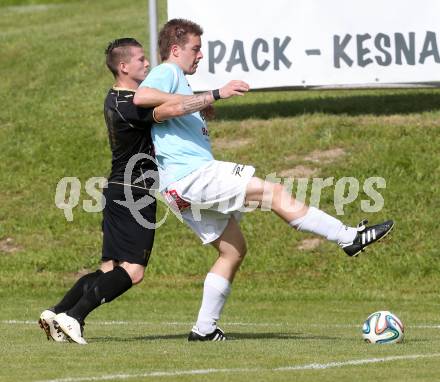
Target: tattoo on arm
<point>197,102</point>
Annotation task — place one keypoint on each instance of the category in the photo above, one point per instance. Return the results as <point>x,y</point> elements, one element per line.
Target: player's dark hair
<point>119,50</point>
<point>175,32</point>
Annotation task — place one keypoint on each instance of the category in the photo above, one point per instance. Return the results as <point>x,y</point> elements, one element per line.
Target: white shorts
<point>209,196</point>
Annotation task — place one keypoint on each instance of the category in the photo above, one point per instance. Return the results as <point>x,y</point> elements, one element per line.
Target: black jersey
<point>129,131</point>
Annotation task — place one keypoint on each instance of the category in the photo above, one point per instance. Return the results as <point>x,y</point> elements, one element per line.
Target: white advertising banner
<point>309,43</point>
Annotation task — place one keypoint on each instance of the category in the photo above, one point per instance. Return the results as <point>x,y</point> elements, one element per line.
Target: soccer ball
<point>383,327</point>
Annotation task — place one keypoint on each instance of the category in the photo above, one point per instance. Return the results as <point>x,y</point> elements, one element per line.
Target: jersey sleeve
<point>138,116</point>
<point>163,77</point>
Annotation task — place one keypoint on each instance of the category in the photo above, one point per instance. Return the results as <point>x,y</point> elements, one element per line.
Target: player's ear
<point>175,50</point>
<point>123,67</point>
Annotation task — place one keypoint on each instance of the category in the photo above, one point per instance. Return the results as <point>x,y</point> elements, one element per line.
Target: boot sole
<point>45,326</point>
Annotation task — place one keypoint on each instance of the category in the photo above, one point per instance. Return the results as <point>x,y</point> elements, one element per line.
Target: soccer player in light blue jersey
<point>210,195</point>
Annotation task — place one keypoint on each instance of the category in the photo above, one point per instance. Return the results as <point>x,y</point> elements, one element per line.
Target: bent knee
<point>280,196</point>
<point>136,278</point>
<point>278,190</point>
<point>237,255</point>
<point>135,271</point>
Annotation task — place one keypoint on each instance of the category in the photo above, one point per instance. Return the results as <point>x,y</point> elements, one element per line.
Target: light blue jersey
<point>181,144</point>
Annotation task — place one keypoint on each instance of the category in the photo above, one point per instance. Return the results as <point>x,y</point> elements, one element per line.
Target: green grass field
<point>297,305</point>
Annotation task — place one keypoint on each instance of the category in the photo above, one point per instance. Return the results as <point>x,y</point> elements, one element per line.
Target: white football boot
<point>70,327</point>
<point>47,324</point>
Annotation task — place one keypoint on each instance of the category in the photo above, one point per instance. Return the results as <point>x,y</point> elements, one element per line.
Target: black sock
<point>106,288</point>
<point>76,292</point>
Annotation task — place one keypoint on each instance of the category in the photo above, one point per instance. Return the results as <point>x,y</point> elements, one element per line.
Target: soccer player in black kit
<point>127,237</point>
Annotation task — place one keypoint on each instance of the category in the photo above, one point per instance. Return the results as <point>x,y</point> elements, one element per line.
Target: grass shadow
<point>380,104</point>
<point>231,336</point>
<point>140,338</point>
<point>276,336</point>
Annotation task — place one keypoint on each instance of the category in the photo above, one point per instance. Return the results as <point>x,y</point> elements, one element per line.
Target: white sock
<point>320,223</point>
<point>215,292</point>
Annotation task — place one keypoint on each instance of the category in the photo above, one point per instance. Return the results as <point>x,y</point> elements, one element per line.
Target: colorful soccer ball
<point>383,327</point>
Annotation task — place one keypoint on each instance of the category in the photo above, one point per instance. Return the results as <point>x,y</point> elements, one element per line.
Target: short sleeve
<point>137,115</point>
<point>162,77</point>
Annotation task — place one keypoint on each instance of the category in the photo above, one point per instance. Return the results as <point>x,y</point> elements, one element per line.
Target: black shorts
<point>127,237</point>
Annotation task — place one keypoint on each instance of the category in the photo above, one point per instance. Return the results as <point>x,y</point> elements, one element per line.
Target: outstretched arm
<point>150,97</point>
<point>175,105</point>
